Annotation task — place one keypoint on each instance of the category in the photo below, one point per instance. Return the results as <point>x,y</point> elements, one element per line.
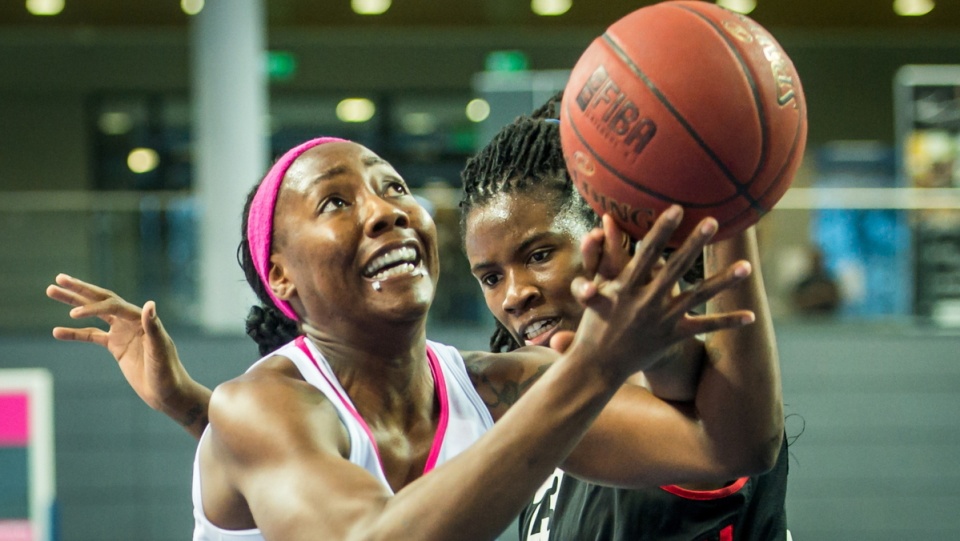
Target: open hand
<point>640,313</point>
<point>136,337</point>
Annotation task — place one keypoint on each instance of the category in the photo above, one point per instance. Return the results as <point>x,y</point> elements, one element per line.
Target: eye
<point>490,280</point>
<point>396,187</point>
<point>541,256</point>
<point>331,204</point>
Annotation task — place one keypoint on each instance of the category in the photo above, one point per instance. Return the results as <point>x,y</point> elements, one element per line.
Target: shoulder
<point>272,377</point>
<point>501,378</point>
<point>272,407</point>
<point>509,366</point>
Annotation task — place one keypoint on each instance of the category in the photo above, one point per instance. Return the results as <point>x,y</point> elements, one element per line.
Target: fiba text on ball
<point>613,114</point>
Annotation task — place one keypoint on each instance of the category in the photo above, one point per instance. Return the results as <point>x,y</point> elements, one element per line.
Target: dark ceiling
<point>798,14</point>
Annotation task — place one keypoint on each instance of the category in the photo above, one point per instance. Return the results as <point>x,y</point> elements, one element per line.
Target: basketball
<point>683,102</point>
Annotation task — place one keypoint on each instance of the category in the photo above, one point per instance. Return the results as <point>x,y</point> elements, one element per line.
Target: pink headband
<point>260,219</point>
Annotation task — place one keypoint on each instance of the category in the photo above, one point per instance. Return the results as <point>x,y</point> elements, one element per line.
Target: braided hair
<point>265,324</point>
<point>525,156</point>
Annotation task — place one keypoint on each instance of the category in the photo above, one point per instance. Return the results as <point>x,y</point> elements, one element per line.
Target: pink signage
<point>14,420</point>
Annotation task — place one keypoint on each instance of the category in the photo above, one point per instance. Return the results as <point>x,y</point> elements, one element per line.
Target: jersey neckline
<point>440,388</point>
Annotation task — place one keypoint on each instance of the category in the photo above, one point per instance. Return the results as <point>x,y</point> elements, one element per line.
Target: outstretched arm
<point>144,351</point>
<point>281,455</point>
<point>280,450</point>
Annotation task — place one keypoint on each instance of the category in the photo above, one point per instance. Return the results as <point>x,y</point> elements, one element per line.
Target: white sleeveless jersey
<point>463,419</point>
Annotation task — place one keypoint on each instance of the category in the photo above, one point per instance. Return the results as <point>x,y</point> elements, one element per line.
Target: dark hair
<point>550,108</point>
<point>524,156</point>
<point>265,324</point>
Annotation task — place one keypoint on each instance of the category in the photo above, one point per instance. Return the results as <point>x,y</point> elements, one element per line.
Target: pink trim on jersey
<point>703,495</point>
<point>301,343</point>
<point>439,385</point>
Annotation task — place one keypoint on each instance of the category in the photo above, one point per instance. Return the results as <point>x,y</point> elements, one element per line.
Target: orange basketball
<point>683,102</point>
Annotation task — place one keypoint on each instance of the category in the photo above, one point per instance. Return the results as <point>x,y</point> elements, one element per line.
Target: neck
<point>385,374</point>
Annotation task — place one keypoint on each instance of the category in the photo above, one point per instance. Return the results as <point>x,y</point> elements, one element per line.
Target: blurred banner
<point>27,477</point>
<point>865,248</point>
<point>927,102</point>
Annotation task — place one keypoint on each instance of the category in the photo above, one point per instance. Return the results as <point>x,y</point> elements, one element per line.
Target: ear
<point>280,281</point>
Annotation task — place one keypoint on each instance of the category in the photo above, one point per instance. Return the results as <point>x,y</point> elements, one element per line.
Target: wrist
<point>608,373</point>
<point>665,360</point>
<point>187,404</point>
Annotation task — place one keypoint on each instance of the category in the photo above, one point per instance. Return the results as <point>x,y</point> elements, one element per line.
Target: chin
<point>425,292</point>
<point>416,305</point>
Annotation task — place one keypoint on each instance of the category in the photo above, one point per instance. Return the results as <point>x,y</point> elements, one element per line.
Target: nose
<point>520,293</point>
<point>382,216</point>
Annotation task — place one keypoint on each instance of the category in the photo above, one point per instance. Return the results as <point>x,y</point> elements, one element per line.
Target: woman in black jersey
<point>522,220</point>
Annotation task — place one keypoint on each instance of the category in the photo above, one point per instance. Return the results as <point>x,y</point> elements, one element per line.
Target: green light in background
<point>281,65</point>
<point>464,139</point>
<point>507,61</point>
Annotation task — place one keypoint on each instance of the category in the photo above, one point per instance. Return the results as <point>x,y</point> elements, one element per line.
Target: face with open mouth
<point>351,241</point>
<point>524,254</point>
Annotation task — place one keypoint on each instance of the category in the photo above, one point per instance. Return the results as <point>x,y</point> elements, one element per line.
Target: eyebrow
<point>336,170</point>
<point>523,247</point>
<point>374,160</point>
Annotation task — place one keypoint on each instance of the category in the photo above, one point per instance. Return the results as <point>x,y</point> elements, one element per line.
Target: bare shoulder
<point>502,378</point>
<point>272,407</point>
<point>269,432</point>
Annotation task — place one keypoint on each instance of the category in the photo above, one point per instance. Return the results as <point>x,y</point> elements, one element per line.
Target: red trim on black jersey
<point>701,495</point>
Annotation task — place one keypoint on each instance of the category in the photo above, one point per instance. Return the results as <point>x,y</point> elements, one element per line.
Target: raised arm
<point>676,375</point>
<point>144,351</point>
<point>733,426</point>
<point>740,386</point>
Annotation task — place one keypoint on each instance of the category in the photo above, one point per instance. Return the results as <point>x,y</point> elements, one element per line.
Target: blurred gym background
<point>130,131</point>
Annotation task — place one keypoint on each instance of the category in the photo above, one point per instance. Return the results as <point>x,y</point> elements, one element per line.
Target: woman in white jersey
<point>330,436</point>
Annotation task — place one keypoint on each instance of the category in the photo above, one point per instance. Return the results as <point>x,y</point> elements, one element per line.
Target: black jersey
<point>750,509</point>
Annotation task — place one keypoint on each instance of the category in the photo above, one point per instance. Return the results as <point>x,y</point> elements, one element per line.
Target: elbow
<point>767,454</point>
<point>762,450</point>
<point>749,456</point>
<point>756,458</point>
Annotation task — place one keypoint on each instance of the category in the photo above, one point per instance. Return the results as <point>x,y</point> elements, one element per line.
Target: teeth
<point>539,328</point>
<point>403,268</point>
<point>406,253</point>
